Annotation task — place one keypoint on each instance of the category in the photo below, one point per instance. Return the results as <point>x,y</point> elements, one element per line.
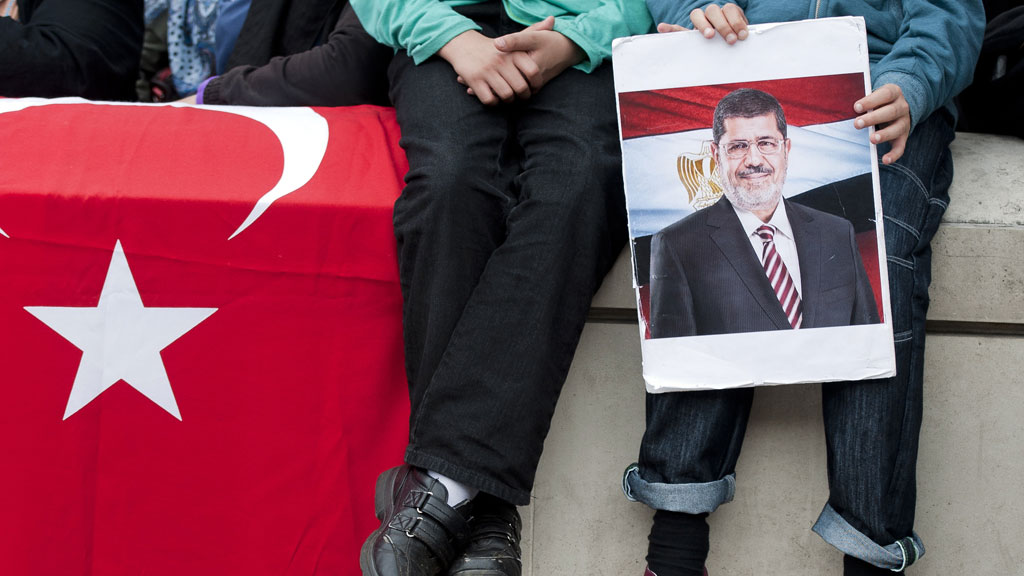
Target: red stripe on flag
<point>806,101</point>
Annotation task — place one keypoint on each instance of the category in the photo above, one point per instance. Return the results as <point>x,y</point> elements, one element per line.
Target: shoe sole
<point>385,485</point>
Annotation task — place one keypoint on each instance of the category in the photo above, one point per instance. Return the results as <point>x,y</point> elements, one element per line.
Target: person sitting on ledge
<point>922,54</point>
<point>512,213</point>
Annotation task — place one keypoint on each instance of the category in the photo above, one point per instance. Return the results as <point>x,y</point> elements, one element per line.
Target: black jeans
<point>692,442</point>
<point>510,218</point>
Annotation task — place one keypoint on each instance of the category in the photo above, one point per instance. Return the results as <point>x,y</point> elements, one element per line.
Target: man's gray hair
<point>746,103</point>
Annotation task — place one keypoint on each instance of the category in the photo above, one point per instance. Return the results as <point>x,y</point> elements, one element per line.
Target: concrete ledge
<point>971,500</point>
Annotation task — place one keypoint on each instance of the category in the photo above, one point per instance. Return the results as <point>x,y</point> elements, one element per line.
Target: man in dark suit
<point>754,261</point>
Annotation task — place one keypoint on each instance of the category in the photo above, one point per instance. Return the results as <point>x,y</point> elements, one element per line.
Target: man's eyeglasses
<point>740,148</point>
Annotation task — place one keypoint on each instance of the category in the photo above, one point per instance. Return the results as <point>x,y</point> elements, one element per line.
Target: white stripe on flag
<point>655,196</point>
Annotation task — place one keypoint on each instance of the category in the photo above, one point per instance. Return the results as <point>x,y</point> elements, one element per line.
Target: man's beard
<point>754,198</point>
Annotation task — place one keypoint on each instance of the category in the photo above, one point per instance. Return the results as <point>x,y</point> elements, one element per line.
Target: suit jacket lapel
<point>735,246</point>
<point>808,249</point>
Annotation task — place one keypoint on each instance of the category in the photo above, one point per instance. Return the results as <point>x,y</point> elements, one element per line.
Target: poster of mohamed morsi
<point>754,208</point>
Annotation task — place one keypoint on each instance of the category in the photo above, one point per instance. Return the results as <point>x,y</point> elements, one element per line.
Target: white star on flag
<point>120,339</point>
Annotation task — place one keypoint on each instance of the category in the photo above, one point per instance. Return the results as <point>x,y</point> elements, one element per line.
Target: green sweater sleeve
<point>594,30</point>
<point>421,27</point>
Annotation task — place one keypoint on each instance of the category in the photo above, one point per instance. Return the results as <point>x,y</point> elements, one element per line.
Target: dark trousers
<point>692,442</point>
<point>510,218</point>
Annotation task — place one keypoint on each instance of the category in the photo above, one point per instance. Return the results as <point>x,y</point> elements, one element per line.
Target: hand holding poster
<point>754,207</point>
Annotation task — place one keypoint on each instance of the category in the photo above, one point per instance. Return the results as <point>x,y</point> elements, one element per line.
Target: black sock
<point>857,567</point>
<point>678,544</point>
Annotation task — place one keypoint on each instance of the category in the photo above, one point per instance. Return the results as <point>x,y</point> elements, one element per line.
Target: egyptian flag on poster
<point>201,344</point>
<point>669,170</point>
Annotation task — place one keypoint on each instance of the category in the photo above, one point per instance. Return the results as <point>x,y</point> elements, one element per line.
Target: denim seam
<point>901,262</point>
<point>914,231</point>
<point>903,336</point>
<point>921,188</point>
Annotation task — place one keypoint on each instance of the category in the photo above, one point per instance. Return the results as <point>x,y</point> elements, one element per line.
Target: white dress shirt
<point>784,243</point>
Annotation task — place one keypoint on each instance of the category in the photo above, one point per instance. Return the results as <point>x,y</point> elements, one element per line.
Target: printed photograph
<point>751,206</point>
<point>754,208</point>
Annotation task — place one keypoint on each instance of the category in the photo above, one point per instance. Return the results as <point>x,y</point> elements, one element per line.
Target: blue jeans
<point>689,450</point>
<point>510,217</point>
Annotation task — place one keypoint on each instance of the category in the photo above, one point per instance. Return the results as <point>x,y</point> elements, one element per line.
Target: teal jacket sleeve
<point>421,27</point>
<point>594,30</point>
<point>934,57</point>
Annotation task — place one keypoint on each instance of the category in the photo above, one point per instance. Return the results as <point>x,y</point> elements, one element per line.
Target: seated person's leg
<point>448,221</point>
<point>872,427</point>
<point>505,363</point>
<point>687,468</point>
<point>451,215</point>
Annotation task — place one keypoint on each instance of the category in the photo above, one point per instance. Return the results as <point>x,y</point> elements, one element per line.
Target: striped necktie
<point>778,276</point>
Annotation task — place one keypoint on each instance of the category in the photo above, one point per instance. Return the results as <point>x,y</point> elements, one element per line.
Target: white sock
<point>457,491</point>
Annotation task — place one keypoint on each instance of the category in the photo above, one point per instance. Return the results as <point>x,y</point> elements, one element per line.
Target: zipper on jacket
<point>817,5</point>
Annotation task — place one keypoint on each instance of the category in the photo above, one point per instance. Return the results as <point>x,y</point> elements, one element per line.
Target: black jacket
<point>706,279</point>
<point>349,69</point>
<point>281,28</point>
<point>87,48</point>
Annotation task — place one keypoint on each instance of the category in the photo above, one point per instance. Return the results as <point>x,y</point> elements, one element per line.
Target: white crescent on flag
<point>302,132</point>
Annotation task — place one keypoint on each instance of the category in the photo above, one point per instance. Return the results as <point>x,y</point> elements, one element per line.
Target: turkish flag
<point>200,333</point>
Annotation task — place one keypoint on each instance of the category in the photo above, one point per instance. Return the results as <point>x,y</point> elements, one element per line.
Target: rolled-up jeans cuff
<point>691,498</point>
<point>835,530</point>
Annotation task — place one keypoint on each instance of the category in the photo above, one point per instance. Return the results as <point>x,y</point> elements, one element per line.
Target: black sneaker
<point>493,548</point>
<point>420,534</point>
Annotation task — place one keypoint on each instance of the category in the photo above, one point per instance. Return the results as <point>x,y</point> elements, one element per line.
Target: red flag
<point>287,374</point>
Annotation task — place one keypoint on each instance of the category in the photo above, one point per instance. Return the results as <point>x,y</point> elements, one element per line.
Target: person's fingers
<point>718,19</point>
<point>483,93</point>
<point>700,22</point>
<point>879,97</point>
<point>664,28</point>
<point>891,131</point>
<point>737,20</point>
<point>516,82</point>
<point>524,41</point>
<point>888,113</point>
<point>500,87</point>
<point>529,70</point>
<point>899,145</point>
<point>545,24</point>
